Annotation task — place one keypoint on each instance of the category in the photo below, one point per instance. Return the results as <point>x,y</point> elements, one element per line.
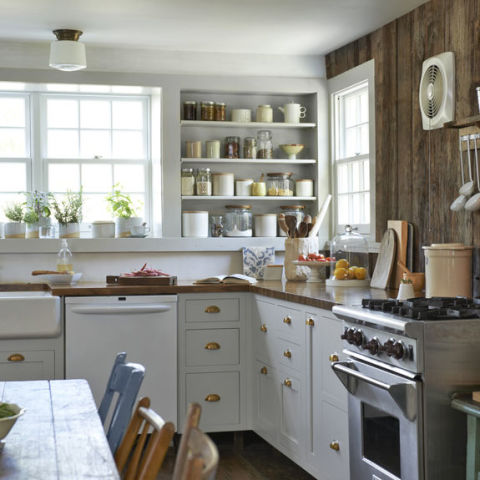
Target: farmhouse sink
<point>29,314</point>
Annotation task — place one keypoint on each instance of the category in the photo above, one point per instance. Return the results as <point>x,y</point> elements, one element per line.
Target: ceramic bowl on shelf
<point>292,149</point>
<point>7,423</point>
<point>62,278</point>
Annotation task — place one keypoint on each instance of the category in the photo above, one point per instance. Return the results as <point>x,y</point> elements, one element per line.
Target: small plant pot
<point>14,230</point>
<point>123,226</point>
<point>69,230</point>
<point>33,230</point>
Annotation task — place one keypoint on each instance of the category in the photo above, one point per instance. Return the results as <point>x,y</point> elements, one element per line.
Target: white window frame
<point>146,162</point>
<point>347,81</point>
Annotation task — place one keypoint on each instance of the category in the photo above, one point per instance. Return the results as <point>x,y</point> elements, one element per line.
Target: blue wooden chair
<point>125,380</point>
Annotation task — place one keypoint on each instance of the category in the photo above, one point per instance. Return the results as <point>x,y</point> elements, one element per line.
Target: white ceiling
<point>287,27</point>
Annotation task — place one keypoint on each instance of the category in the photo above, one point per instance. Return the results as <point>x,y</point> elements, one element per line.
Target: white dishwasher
<point>144,326</point>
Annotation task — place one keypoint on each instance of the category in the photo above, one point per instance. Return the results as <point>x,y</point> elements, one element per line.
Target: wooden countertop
<point>313,294</point>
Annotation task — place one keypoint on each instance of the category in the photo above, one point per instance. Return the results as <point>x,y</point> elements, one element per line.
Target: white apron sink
<point>28,314</point>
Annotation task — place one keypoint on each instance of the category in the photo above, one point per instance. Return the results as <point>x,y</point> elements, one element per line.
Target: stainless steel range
<point>406,359</point>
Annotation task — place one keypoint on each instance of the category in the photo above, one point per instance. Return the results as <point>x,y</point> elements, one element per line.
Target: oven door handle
<point>403,394</point>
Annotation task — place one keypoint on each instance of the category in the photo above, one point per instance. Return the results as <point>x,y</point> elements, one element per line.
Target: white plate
<point>62,278</point>
<point>312,263</point>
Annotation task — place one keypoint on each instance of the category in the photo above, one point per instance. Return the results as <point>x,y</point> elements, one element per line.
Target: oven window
<point>381,439</point>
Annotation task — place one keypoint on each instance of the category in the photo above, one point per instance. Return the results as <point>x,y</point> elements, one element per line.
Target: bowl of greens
<point>9,412</point>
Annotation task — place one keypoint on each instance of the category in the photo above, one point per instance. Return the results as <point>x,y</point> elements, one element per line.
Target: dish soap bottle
<point>64,260</point>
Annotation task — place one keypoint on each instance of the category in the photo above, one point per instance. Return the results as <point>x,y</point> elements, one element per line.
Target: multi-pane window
<point>15,161</point>
<point>352,155</point>
<point>95,143</point>
<point>87,142</point>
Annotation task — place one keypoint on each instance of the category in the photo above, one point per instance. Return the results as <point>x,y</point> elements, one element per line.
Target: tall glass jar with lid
<point>264,144</point>
<point>350,268</point>
<point>188,181</point>
<point>238,221</point>
<point>203,182</point>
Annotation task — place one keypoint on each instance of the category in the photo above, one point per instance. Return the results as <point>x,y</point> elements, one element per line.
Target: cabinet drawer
<point>24,365</point>
<point>291,324</point>
<point>290,354</point>
<point>334,452</point>
<point>223,388</point>
<point>212,347</point>
<point>214,309</point>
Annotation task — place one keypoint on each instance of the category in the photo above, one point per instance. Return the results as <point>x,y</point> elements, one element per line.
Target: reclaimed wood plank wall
<point>418,172</point>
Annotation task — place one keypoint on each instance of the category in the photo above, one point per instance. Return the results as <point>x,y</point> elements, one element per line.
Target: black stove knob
<point>358,338</point>
<point>348,335</point>
<point>344,335</point>
<point>388,347</point>
<point>374,346</point>
<point>399,350</point>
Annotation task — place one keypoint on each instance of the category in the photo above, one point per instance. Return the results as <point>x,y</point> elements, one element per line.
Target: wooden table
<point>60,436</point>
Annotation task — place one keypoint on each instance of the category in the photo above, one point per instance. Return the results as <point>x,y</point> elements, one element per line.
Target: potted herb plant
<point>68,214</point>
<point>37,213</point>
<point>15,228</point>
<point>122,207</point>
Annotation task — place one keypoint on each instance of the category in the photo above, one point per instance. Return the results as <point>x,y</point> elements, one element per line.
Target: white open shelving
<point>249,198</point>
<point>253,161</point>
<point>261,125</point>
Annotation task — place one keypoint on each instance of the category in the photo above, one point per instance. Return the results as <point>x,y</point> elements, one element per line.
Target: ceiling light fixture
<point>67,53</point>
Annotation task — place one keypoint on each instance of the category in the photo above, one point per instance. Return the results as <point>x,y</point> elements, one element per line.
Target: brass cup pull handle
<point>335,445</point>
<point>287,382</point>
<point>212,397</point>
<point>263,328</point>
<point>287,353</point>
<point>333,357</point>
<point>310,322</point>
<point>212,346</point>
<point>212,309</point>
<point>287,320</point>
<point>16,357</point>
<point>263,370</point>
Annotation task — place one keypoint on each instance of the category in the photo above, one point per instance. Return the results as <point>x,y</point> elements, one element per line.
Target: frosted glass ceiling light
<point>67,53</point>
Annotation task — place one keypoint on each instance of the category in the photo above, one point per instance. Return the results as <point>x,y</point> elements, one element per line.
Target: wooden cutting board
<point>385,260</point>
<point>401,231</point>
<point>120,280</point>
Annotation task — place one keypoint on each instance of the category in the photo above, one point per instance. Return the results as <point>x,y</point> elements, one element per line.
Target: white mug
<point>293,112</point>
<point>241,115</point>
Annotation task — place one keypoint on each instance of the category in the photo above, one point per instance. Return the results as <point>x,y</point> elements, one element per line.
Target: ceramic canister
<point>241,115</point>
<point>195,223</point>
<point>103,229</point>
<point>212,148</point>
<point>223,184</point>
<point>264,114</point>
<point>304,187</point>
<point>243,186</point>
<point>265,225</point>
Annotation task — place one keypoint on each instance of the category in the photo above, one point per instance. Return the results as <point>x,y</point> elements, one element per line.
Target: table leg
<point>473,448</point>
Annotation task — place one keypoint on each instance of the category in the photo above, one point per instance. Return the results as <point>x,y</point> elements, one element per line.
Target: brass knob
<point>287,382</point>
<point>16,357</point>
<point>310,322</point>
<point>333,357</point>
<point>287,353</point>
<point>212,309</point>
<point>263,328</point>
<point>263,370</point>
<point>212,346</point>
<point>287,320</point>
<point>212,397</point>
<point>335,445</point>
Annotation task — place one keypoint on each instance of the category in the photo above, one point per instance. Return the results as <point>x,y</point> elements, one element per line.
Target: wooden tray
<point>119,280</point>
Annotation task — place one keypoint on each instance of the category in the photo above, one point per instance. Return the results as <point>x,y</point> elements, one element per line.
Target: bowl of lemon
<point>343,274</point>
<point>9,413</point>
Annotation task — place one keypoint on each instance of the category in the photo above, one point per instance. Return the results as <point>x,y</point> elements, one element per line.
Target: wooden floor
<point>257,460</point>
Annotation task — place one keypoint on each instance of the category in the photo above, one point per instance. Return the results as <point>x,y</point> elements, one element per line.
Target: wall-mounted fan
<point>437,90</point>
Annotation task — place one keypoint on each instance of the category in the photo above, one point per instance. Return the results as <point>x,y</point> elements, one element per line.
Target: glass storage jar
<point>294,210</point>
<point>249,147</point>
<point>207,111</point>
<point>238,221</point>
<point>190,110</point>
<point>232,147</point>
<point>264,144</point>
<point>203,182</point>
<point>188,181</point>
<point>220,112</point>
<point>279,184</point>
<point>216,225</point>
<point>350,250</point>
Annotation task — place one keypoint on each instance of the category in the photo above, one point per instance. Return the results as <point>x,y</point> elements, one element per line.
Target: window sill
<point>113,245</point>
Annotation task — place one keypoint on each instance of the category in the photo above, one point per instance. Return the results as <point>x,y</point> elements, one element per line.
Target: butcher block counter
<point>312,294</point>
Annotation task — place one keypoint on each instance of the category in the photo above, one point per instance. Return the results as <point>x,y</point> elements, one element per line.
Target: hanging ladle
<point>473,203</point>
<point>459,202</point>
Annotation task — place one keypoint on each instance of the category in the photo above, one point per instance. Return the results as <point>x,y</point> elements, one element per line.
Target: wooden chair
<point>197,457</point>
<point>144,463</point>
<point>125,380</point>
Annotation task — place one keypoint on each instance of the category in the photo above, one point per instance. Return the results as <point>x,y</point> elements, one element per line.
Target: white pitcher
<point>293,112</point>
